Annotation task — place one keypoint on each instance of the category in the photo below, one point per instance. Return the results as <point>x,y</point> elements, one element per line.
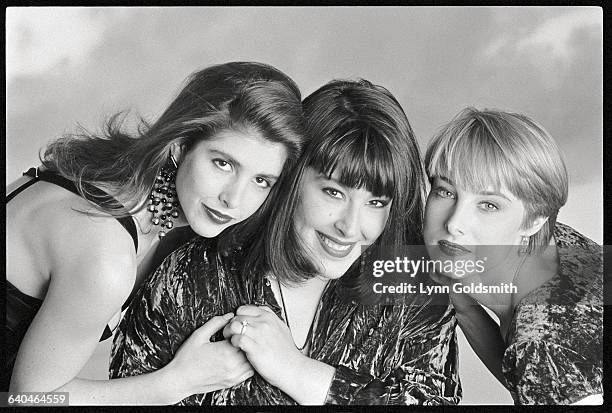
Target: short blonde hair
<point>485,148</point>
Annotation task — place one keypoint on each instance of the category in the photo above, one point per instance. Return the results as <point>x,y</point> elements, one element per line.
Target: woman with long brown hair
<point>83,227</point>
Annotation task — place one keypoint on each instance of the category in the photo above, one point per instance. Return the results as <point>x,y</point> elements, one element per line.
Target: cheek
<point>505,229</point>
<point>374,226</point>
<point>308,217</point>
<point>312,210</point>
<point>252,201</point>
<point>508,235</point>
<point>435,216</point>
<point>192,182</point>
<point>182,186</point>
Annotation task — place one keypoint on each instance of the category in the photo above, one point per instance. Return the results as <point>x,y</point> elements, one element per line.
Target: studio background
<point>69,65</point>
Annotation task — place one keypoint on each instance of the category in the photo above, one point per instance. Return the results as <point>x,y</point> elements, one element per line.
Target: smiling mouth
<point>216,216</point>
<point>334,247</point>
<point>452,249</point>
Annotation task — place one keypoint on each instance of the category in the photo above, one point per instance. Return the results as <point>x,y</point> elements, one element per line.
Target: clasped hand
<point>267,342</point>
<point>202,366</point>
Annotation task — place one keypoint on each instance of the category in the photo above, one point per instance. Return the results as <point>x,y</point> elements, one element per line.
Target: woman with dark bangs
<point>498,182</point>
<point>295,285</point>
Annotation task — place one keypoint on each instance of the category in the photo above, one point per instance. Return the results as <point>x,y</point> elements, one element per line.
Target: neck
<point>527,273</point>
<point>299,304</point>
<point>148,233</point>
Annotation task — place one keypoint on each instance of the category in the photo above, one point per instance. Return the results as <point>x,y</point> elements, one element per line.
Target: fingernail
<point>228,315</point>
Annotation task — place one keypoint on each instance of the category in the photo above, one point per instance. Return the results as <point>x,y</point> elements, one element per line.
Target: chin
<point>206,231</point>
<point>337,271</point>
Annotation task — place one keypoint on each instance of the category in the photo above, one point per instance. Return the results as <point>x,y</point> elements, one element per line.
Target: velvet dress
<point>403,353</point>
<point>554,351</point>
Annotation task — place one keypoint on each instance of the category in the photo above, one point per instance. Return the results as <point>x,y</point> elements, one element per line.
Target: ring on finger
<point>244,323</point>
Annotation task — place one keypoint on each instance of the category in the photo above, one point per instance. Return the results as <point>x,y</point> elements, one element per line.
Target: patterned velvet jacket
<point>401,353</point>
<point>555,340</point>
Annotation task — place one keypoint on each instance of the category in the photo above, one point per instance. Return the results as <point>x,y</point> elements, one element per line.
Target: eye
<point>379,203</point>
<point>488,206</point>
<point>262,182</point>
<point>334,193</point>
<point>442,192</point>
<point>223,165</point>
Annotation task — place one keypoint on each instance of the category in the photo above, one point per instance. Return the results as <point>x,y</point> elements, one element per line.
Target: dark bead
<point>161,234</point>
<point>155,221</point>
<point>164,200</point>
<point>175,214</point>
<point>151,196</point>
<point>152,208</point>
<point>162,217</point>
<point>169,224</point>
<point>162,190</point>
<point>175,203</point>
<point>169,205</point>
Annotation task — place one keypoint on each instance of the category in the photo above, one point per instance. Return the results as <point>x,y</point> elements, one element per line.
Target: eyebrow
<point>499,194</point>
<point>232,160</point>
<point>324,177</point>
<point>321,176</point>
<point>444,178</point>
<point>494,193</point>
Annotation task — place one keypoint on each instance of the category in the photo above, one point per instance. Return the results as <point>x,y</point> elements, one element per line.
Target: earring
<point>163,196</point>
<point>524,248</point>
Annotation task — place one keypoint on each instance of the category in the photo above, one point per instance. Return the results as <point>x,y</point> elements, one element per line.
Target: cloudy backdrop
<point>69,65</point>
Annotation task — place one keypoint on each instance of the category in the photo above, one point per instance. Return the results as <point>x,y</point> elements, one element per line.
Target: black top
<point>22,308</point>
<point>38,175</point>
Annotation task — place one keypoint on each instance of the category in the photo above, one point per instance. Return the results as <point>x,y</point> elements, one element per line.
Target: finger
<point>266,308</point>
<point>227,331</point>
<point>206,331</point>
<point>248,309</point>
<point>244,343</point>
<point>236,326</point>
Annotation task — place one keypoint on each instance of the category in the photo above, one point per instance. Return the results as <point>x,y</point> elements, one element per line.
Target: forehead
<point>312,176</point>
<point>248,149</point>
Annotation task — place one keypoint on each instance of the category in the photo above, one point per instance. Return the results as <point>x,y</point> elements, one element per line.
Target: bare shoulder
<point>71,239</point>
<point>17,183</point>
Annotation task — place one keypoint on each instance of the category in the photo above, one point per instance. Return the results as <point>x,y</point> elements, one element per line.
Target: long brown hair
<point>235,95</point>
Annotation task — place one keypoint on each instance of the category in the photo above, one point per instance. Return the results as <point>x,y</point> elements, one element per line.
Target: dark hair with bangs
<point>359,130</point>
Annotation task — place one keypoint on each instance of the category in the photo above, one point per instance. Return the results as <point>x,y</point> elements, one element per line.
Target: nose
<point>456,221</point>
<point>231,193</point>
<point>347,223</point>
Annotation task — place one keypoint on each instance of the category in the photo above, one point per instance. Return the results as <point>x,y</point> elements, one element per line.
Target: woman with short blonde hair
<point>498,181</point>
